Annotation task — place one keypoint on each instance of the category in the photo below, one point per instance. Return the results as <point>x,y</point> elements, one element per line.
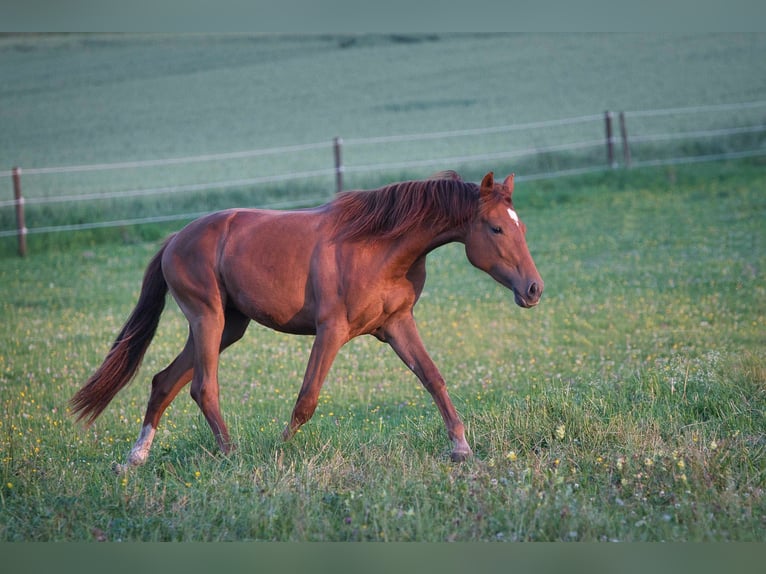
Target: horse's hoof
<point>461,455</point>
<point>120,469</point>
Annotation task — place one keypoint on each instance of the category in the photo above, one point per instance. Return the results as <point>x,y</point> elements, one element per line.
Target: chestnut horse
<point>354,266</point>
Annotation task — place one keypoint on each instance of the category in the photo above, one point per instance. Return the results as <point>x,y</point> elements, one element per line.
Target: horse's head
<point>496,242</point>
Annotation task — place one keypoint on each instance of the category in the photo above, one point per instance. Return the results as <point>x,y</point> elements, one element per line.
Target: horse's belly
<point>265,269</point>
<point>276,303</point>
<point>279,317</point>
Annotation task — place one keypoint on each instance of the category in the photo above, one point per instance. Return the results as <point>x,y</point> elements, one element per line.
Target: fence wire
<point>389,166</point>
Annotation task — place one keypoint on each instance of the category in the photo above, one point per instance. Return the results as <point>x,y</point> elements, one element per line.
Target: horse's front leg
<point>402,334</point>
<point>328,342</point>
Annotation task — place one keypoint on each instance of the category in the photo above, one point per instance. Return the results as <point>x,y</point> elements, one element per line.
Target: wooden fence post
<point>609,139</point>
<point>624,136</point>
<point>19,199</point>
<point>337,145</point>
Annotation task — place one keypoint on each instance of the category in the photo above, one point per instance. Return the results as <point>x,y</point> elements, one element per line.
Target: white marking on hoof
<point>140,451</point>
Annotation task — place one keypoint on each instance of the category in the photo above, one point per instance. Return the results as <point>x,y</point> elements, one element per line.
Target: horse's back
<point>241,232</point>
<point>259,261</point>
<point>286,271</point>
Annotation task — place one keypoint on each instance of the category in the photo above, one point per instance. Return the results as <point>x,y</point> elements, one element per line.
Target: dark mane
<point>443,202</point>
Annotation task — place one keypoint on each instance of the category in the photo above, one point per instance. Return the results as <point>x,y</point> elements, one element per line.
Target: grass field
<point>84,99</point>
<point>630,405</point>
<point>78,99</point>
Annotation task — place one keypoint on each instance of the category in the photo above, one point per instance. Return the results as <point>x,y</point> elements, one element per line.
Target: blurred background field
<point>258,115</point>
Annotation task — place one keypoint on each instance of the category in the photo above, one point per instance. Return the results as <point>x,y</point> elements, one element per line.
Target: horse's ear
<point>487,184</point>
<point>508,183</point>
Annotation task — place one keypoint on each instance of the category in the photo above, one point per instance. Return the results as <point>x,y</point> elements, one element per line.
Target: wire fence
<point>584,144</point>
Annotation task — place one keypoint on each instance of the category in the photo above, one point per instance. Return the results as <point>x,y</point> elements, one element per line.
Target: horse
<point>353,266</point>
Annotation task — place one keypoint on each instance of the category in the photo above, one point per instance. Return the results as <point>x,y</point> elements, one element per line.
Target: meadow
<point>628,406</point>
<point>94,99</point>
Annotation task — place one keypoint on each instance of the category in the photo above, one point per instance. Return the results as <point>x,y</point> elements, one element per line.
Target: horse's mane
<point>443,201</point>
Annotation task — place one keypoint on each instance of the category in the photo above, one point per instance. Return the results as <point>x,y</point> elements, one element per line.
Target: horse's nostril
<point>534,290</point>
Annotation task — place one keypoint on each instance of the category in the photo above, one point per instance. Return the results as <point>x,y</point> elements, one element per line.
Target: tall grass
<point>628,406</point>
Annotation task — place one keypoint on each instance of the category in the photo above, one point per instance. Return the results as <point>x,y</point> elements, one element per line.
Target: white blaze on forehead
<point>513,215</point>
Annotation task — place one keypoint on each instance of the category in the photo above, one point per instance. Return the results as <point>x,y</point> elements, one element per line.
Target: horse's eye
<point>496,229</point>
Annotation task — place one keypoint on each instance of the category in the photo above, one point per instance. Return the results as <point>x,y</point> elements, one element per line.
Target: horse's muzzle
<point>531,296</point>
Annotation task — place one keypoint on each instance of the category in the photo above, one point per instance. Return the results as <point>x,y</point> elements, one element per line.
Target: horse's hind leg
<point>212,333</point>
<point>165,387</point>
<point>168,382</point>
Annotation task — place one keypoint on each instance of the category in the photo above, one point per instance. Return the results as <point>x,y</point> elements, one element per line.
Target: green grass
<point>84,99</point>
<point>97,98</point>
<point>630,405</point>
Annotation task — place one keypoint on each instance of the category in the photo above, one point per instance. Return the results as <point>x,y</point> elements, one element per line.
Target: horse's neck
<point>416,245</point>
<point>451,236</point>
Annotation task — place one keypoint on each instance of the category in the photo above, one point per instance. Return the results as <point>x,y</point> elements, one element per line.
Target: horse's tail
<point>124,358</point>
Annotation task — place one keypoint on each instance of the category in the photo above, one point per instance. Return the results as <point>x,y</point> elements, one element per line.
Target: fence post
<point>609,139</point>
<point>337,145</point>
<point>19,199</point>
<point>624,136</point>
